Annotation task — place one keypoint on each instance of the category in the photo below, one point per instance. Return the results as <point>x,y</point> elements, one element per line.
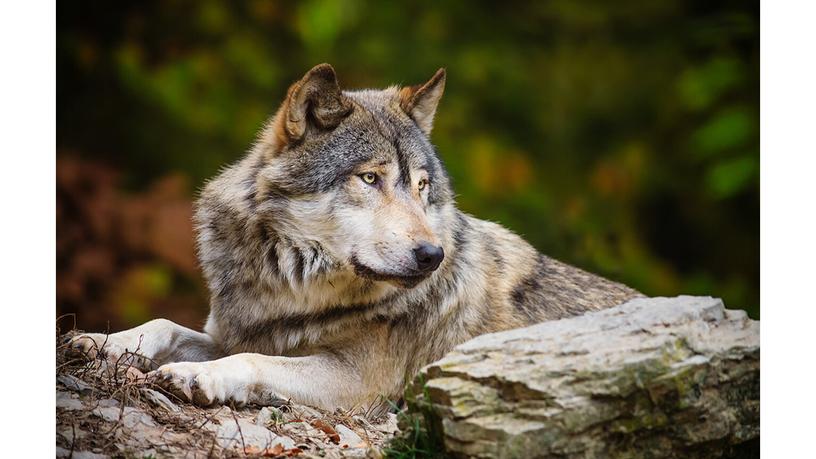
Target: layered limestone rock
<point>655,377</point>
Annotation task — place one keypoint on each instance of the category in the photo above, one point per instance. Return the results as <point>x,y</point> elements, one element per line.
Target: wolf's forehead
<point>379,131</point>
<point>373,99</point>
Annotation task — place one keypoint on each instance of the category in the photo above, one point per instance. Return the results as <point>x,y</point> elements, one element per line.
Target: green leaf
<point>729,129</point>
<point>728,178</point>
<point>699,87</point>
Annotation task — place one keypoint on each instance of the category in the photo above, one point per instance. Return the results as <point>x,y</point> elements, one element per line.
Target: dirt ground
<point>107,409</point>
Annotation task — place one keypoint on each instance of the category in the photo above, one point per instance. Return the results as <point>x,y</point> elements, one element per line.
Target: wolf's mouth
<point>403,280</point>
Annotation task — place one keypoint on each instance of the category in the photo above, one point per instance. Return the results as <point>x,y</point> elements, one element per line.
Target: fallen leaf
<point>327,429</point>
<point>274,451</point>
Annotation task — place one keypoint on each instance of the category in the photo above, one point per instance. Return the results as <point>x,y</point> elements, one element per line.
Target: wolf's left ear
<point>420,101</point>
<point>314,102</point>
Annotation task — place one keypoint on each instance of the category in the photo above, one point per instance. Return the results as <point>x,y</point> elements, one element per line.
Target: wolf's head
<point>354,173</point>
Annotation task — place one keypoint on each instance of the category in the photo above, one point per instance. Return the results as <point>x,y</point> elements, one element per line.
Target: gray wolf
<point>338,263</point>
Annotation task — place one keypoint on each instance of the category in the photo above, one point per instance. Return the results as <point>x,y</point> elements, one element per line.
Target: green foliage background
<point>619,136</point>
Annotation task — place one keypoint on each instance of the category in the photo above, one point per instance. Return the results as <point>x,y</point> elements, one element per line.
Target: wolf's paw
<point>202,383</point>
<point>93,345</point>
<point>113,348</point>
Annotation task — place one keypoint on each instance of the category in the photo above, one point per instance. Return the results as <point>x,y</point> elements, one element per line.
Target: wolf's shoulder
<point>536,286</point>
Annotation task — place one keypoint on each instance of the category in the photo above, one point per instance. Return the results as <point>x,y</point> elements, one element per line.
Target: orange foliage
<point>124,258</point>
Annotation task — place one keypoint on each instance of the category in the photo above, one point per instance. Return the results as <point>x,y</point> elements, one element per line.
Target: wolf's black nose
<point>428,256</point>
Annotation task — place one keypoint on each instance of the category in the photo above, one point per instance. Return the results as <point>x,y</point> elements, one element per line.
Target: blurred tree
<point>621,137</point>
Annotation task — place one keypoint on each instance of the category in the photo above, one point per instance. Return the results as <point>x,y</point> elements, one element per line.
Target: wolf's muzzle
<point>428,257</point>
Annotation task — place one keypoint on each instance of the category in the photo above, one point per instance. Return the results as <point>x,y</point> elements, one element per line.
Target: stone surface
<point>71,434</point>
<point>68,401</point>
<point>302,429</point>
<point>246,434</point>
<point>73,383</point>
<point>269,415</point>
<point>388,424</point>
<point>349,438</point>
<point>159,400</point>
<point>655,377</point>
<point>131,418</point>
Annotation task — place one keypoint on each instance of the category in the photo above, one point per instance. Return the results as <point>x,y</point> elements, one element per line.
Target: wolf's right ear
<point>315,101</point>
<point>420,101</point>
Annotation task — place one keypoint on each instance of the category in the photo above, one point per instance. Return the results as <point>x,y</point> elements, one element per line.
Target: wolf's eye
<point>422,184</point>
<point>369,177</point>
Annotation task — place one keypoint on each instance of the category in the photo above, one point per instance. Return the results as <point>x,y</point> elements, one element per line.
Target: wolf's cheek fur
<point>308,219</point>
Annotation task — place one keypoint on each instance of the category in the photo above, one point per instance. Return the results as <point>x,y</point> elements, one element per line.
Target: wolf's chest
<point>284,321</point>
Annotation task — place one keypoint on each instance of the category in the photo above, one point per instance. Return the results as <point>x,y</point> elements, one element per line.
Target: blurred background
<point>621,137</point>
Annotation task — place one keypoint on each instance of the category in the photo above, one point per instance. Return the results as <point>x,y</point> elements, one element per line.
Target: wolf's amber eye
<point>369,177</point>
<point>422,184</point>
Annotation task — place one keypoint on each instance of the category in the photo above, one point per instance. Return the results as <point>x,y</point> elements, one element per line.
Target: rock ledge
<point>654,377</point>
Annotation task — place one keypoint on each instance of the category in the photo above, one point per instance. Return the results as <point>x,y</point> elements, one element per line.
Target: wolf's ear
<point>420,101</point>
<point>314,101</point>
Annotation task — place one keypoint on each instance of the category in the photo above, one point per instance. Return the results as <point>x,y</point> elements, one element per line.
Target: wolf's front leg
<point>156,342</point>
<point>319,380</point>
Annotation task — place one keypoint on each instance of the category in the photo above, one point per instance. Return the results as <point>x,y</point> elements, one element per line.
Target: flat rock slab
<point>245,434</point>
<point>654,377</point>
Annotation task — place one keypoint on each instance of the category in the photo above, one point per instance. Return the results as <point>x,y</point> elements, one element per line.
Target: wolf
<point>338,263</point>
